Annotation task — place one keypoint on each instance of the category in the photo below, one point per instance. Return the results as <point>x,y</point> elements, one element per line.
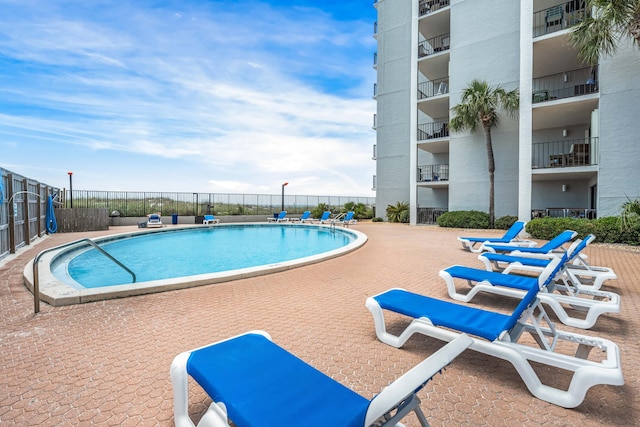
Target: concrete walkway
<point>107,363</point>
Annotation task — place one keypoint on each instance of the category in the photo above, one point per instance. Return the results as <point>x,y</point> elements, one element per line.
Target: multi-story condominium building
<point>573,150</point>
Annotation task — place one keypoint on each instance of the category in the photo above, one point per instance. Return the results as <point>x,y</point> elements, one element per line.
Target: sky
<point>189,95</point>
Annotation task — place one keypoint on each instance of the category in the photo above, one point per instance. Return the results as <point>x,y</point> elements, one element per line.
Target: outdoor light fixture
<point>283,185</point>
<point>565,132</point>
<point>70,189</point>
<point>564,188</point>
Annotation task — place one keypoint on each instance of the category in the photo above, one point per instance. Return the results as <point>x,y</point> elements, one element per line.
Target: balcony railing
<point>559,17</point>
<point>567,84</point>
<point>433,130</point>
<point>428,6</point>
<point>433,173</point>
<point>429,215</point>
<point>565,213</point>
<point>565,153</point>
<point>375,152</point>
<point>434,45</point>
<point>435,87</point>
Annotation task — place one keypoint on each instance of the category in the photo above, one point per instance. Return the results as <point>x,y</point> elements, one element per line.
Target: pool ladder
<point>36,260</point>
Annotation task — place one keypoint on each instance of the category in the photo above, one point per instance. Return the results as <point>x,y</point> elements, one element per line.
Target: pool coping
<point>57,293</point>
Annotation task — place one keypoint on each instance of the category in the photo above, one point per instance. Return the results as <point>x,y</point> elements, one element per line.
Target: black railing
<point>429,215</point>
<point>434,45</point>
<point>433,173</point>
<point>567,84</point>
<point>565,153</point>
<point>434,87</point>
<point>429,6</point>
<point>433,130</point>
<point>559,17</point>
<point>565,213</point>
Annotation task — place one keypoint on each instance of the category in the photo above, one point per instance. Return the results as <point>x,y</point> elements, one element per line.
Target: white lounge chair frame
<point>594,303</point>
<point>152,222</point>
<point>210,219</point>
<point>385,410</point>
<point>474,244</point>
<point>534,320</point>
<point>553,245</point>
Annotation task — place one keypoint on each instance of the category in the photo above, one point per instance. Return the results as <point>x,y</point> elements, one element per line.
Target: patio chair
<point>305,217</point>
<point>580,276</point>
<point>345,219</point>
<point>510,236</point>
<point>497,334</point>
<point>553,245</point>
<point>210,219</point>
<point>589,304</point>
<point>282,217</point>
<point>154,220</point>
<point>325,218</point>
<point>254,382</point>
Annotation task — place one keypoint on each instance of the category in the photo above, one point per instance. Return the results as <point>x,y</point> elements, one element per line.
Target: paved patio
<point>107,363</point>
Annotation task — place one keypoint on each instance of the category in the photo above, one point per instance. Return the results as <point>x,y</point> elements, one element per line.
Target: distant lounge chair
<point>497,334</point>
<point>154,220</point>
<point>282,217</point>
<point>325,218</point>
<point>558,296</point>
<point>254,382</point>
<point>511,236</point>
<point>345,219</point>
<point>306,217</point>
<point>553,245</point>
<point>210,219</point>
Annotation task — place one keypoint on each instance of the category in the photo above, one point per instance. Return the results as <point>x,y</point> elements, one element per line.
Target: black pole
<point>283,185</point>
<point>70,189</point>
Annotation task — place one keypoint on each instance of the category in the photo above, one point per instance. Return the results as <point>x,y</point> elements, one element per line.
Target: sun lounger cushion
<point>495,278</point>
<point>462,318</point>
<point>530,261</point>
<point>243,373</point>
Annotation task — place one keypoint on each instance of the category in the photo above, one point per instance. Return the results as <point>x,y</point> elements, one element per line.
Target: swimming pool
<point>175,258</point>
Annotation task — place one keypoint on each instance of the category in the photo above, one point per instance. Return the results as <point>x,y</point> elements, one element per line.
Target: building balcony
<point>434,45</point>
<point>429,6</point>
<point>433,88</point>
<point>559,17</point>
<point>565,213</point>
<point>583,81</point>
<point>565,154</point>
<point>433,130</point>
<point>375,152</point>
<point>433,173</point>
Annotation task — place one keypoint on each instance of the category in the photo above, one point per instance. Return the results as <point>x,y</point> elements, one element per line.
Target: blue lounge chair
<point>154,220</point>
<point>553,245</point>
<point>579,274</point>
<point>254,382</point>
<point>325,218</point>
<point>589,304</point>
<point>498,335</point>
<point>305,217</point>
<point>210,219</point>
<point>345,219</point>
<point>511,236</point>
<point>282,217</point>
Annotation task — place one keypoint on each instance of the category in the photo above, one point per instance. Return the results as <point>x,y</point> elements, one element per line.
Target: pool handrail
<point>36,260</point>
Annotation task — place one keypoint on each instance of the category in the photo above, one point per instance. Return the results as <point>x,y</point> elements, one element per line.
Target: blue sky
<point>186,95</point>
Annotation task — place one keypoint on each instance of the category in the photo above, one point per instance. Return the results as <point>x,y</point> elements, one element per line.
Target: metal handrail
<point>36,260</point>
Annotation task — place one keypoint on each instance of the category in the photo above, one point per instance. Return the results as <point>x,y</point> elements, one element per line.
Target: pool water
<point>188,252</point>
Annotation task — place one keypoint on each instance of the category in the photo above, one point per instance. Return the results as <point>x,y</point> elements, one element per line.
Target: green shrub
<point>606,229</point>
<point>398,212</point>
<point>377,219</point>
<point>505,222</point>
<point>319,210</point>
<point>464,219</point>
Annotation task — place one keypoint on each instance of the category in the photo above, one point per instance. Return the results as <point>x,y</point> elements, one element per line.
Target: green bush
<point>377,219</point>
<point>464,219</point>
<point>398,212</point>
<point>319,210</point>
<point>606,230</point>
<point>505,222</point>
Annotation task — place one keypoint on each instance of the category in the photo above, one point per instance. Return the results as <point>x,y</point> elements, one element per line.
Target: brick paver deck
<point>107,363</point>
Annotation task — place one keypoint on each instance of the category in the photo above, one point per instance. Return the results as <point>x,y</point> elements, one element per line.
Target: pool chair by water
<point>499,335</point>
<point>254,382</point>
<point>305,217</point>
<point>282,217</point>
<point>579,276</point>
<point>154,220</point>
<point>553,245</point>
<point>210,219</point>
<point>345,219</point>
<point>325,218</point>
<point>572,307</point>
<point>511,237</point>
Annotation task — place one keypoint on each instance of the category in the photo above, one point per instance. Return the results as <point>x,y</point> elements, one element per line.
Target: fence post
<point>25,210</point>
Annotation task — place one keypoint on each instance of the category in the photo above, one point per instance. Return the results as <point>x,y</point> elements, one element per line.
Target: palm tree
<point>480,105</point>
<point>600,33</point>
<point>630,213</point>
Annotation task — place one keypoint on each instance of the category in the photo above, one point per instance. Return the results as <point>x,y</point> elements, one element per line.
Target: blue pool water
<point>188,252</point>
